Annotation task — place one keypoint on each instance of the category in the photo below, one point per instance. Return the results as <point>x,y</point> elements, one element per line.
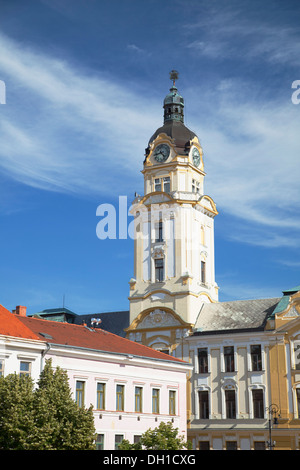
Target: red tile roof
<point>81,336</point>
<point>11,326</point>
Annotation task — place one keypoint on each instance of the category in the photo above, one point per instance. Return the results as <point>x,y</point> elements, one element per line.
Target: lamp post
<point>273,410</point>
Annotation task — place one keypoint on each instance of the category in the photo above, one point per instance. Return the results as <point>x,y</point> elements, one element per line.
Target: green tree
<point>16,412</point>
<point>164,437</point>
<point>46,418</point>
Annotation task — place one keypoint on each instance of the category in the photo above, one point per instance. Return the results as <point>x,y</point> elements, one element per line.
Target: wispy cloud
<point>251,150</point>
<point>74,131</point>
<point>228,33</point>
<point>77,129</point>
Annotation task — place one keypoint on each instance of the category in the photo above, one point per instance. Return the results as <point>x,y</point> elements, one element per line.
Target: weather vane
<point>174,76</point>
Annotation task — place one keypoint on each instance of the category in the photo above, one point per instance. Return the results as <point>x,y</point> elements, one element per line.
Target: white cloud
<point>76,129</point>
<point>228,33</point>
<point>251,155</point>
<point>68,130</point>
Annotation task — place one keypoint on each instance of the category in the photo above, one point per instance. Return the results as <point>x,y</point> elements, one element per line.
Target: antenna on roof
<point>64,301</point>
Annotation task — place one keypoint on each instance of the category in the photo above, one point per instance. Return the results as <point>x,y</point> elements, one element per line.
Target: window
<point>297,355</point>
<point>159,270</point>
<point>258,403</point>
<point>195,186</point>
<point>165,351</point>
<point>25,368</point>
<point>162,184</point>
<point>172,402</point>
<point>155,400</point>
<point>204,445</point>
<point>167,184</point>
<point>138,399</point>
<point>120,398</point>
<point>136,439</point>
<point>231,445</point>
<point>259,445</point>
<point>230,404</point>
<point>202,360</point>
<point>79,398</point>
<point>159,232</point>
<point>229,358</point>
<point>203,405</point>
<point>298,400</point>
<point>157,184</point>
<point>118,439</point>
<point>100,396</point>
<point>256,357</point>
<point>99,442</point>
<point>1,367</point>
<point>203,272</point>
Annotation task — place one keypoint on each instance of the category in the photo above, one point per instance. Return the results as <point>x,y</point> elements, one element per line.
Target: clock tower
<point>174,272</point>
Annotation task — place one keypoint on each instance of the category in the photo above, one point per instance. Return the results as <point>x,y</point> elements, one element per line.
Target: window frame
<point>156,401</point>
<point>120,397</point>
<point>229,359</point>
<point>138,399</point>
<point>80,393</point>
<point>203,271</point>
<point>258,404</point>
<point>99,441</point>
<point>118,441</point>
<point>101,395</point>
<point>230,404</point>
<point>25,373</point>
<point>2,362</point>
<point>203,404</point>
<point>202,361</point>
<point>172,402</point>
<point>256,358</point>
<point>159,270</point>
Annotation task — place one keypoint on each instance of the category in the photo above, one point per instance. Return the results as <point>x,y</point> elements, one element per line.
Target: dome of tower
<point>173,125</point>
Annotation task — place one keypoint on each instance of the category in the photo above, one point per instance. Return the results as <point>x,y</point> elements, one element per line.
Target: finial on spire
<point>174,76</point>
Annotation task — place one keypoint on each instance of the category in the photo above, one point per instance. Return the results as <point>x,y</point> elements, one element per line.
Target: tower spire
<point>174,76</point>
<point>173,102</point>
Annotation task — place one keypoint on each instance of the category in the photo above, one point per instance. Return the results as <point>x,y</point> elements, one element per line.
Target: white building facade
<point>131,387</point>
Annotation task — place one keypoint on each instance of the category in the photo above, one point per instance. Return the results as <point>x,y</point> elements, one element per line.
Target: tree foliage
<point>44,418</point>
<point>164,437</point>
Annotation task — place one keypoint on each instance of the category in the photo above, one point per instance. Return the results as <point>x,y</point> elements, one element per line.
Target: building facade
<point>245,386</point>
<point>243,353</point>
<point>131,387</point>
<point>174,235</point>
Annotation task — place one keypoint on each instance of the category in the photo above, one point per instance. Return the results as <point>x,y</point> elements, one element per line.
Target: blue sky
<point>85,82</point>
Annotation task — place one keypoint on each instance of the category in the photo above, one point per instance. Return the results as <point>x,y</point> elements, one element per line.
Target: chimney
<point>20,310</point>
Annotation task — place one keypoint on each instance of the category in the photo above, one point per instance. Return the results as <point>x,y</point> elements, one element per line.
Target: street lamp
<point>273,413</point>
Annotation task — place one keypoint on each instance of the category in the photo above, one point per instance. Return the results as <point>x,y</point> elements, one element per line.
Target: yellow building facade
<point>284,358</point>
<point>244,390</point>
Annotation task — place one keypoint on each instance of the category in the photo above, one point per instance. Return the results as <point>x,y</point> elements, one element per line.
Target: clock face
<point>161,153</point>
<point>196,156</point>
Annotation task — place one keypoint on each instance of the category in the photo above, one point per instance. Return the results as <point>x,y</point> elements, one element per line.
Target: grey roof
<point>177,131</point>
<point>113,322</point>
<point>235,315</point>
